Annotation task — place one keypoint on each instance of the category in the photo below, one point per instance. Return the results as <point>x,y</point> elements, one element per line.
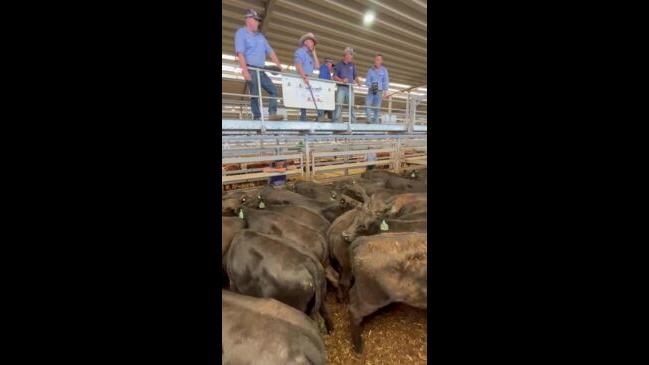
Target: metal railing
<point>246,156</point>
<point>408,115</point>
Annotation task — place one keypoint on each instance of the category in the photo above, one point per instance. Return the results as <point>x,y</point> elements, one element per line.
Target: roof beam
<point>268,11</point>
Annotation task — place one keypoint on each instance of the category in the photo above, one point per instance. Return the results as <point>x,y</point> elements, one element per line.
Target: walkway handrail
<point>410,110</point>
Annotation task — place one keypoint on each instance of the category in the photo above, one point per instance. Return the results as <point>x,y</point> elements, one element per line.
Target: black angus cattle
<point>407,204</point>
<point>284,226</point>
<point>265,331</point>
<point>265,266</point>
<point>394,181</point>
<point>303,216</point>
<point>405,185</point>
<point>232,201</point>
<point>230,226</point>
<point>319,192</point>
<point>390,267</point>
<point>364,221</point>
<point>342,232</point>
<point>330,210</point>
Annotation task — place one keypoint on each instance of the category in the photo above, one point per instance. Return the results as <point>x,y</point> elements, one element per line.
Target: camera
<point>374,88</point>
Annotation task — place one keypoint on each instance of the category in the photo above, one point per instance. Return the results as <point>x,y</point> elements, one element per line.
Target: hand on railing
<point>246,75</point>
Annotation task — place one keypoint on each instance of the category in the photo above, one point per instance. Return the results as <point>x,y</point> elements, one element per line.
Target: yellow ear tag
<point>262,205</point>
<point>413,175</point>
<point>241,213</point>
<point>384,226</point>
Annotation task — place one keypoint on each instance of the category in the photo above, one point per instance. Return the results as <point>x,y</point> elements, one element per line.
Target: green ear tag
<point>384,226</point>
<point>261,204</point>
<point>241,213</point>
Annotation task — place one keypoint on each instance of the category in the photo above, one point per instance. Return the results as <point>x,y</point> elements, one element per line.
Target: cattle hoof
<point>358,348</point>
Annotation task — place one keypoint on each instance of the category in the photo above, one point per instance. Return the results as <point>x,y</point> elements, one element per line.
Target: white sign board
<point>297,95</point>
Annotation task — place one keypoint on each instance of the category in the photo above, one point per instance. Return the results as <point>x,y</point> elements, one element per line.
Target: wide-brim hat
<point>305,37</point>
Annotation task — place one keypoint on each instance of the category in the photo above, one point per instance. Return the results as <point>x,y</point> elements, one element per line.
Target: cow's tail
<point>320,285</point>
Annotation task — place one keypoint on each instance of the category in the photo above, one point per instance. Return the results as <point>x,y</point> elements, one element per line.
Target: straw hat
<point>305,37</point>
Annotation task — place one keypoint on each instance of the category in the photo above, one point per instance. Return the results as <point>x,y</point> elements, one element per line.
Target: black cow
<point>342,232</point>
<point>269,267</point>
<point>389,267</point>
<point>394,181</point>
<point>230,226</point>
<point>284,226</point>
<point>265,331</point>
<point>330,210</point>
<point>319,192</point>
<point>364,221</point>
<point>303,216</point>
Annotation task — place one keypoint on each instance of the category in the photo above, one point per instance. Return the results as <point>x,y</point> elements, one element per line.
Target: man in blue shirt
<point>377,82</point>
<point>325,73</point>
<point>251,48</point>
<point>345,71</point>
<point>306,59</point>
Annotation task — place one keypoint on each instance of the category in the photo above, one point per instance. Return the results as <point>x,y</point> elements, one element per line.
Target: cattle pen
<point>312,177</point>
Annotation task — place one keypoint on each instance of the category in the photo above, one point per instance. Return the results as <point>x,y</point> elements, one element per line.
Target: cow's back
<point>230,226</point>
<point>396,262</point>
<point>265,331</point>
<point>304,216</point>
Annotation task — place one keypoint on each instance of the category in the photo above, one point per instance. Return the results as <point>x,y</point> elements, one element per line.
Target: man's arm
<point>271,53</point>
<point>387,84</point>
<point>334,76</point>
<point>273,57</point>
<point>300,71</point>
<point>315,58</point>
<point>356,77</point>
<point>239,48</point>
<point>244,68</point>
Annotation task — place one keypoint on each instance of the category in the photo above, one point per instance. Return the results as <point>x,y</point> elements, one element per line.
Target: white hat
<point>305,37</point>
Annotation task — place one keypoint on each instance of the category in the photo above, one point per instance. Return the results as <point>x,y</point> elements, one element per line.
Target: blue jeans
<point>373,100</point>
<point>342,96</point>
<point>253,88</point>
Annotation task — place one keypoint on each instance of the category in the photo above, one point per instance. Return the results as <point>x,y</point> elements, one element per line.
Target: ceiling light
<point>368,18</point>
